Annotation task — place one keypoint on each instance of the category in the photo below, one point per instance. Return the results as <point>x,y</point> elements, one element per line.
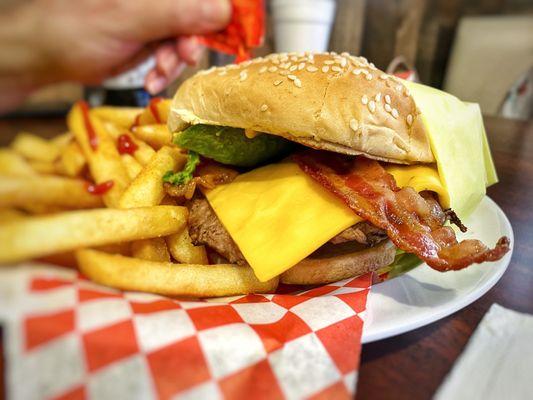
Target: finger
<point>155,82</point>
<point>166,59</point>
<point>153,20</point>
<point>189,49</point>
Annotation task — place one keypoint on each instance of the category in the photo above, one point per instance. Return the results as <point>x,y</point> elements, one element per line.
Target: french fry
<point>156,135</point>
<point>68,258</point>
<point>144,152</point>
<point>121,116</point>
<point>184,251</point>
<point>10,214</point>
<point>171,279</point>
<point>29,238</point>
<point>35,148</point>
<point>72,161</point>
<point>147,189</point>
<point>62,140</point>
<point>155,113</point>
<point>132,165</point>
<point>44,167</point>
<point>103,158</point>
<point>41,209</point>
<point>151,250</point>
<point>12,163</point>
<point>46,191</point>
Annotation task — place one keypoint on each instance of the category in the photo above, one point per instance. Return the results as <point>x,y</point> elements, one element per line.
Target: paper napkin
<point>497,362</point>
<point>66,337</point>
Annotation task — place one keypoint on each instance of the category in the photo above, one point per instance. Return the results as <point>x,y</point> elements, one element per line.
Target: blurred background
<point>478,50</point>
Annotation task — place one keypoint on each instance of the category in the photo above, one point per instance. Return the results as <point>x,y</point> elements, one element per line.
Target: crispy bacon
<point>372,193</point>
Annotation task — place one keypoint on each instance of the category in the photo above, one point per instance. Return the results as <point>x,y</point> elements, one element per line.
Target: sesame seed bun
<point>327,101</point>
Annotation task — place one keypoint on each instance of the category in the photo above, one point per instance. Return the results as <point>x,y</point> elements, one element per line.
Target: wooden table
<point>413,365</point>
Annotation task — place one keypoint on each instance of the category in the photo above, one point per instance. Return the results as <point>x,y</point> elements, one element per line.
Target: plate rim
<point>457,305</point>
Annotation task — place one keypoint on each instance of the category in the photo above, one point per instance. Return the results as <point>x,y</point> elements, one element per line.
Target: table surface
<point>413,365</point>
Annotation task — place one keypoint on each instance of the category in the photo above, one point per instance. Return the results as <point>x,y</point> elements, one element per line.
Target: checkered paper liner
<point>68,338</point>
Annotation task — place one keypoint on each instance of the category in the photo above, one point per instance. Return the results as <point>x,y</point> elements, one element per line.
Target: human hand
<point>46,41</point>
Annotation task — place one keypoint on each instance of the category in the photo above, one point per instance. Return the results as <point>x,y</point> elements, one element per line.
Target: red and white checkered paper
<point>68,338</point>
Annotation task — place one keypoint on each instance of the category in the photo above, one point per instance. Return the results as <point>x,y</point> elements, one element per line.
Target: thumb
<point>155,20</point>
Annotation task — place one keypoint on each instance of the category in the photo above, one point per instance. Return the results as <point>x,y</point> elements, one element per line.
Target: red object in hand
<point>100,188</point>
<point>245,31</point>
<point>93,138</point>
<point>126,145</point>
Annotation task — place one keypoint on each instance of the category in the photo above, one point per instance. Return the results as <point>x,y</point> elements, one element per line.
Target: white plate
<point>424,295</point>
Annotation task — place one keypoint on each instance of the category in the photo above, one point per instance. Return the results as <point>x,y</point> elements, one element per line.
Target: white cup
<point>302,25</point>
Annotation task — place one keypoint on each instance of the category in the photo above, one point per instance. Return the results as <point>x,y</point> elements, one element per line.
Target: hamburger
<point>321,167</point>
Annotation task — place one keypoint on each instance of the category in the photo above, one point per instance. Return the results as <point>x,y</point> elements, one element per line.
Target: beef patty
<point>205,228</point>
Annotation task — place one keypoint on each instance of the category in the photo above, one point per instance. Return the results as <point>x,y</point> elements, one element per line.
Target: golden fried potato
<point>35,148</point>
<point>121,116</point>
<point>133,166</point>
<point>72,161</point>
<point>151,249</point>
<point>46,191</point>
<point>182,249</point>
<point>147,189</point>
<point>28,238</point>
<point>171,279</point>
<point>10,214</point>
<point>144,152</point>
<point>156,135</point>
<point>12,163</point>
<point>44,167</point>
<point>103,158</point>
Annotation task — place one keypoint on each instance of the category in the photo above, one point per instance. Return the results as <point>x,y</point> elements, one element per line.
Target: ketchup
<point>91,134</point>
<point>126,145</point>
<point>154,110</point>
<point>100,188</point>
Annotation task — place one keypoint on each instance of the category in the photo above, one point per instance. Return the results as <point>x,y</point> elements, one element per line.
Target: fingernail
<point>155,84</point>
<point>216,12</point>
<point>167,63</point>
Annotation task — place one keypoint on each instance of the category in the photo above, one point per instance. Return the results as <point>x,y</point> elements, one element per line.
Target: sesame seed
<point>278,82</point>
<point>364,100</point>
<point>372,66</point>
<point>293,68</point>
<point>325,69</point>
<point>345,54</point>
<point>378,97</point>
<point>383,76</point>
<point>243,75</point>
<point>399,88</point>
<point>372,106</point>
<point>343,62</point>
<point>409,119</point>
<point>284,72</point>
<point>264,107</point>
<point>312,68</point>
<point>407,92</point>
<point>336,69</point>
<point>294,58</point>
<point>301,66</point>
<point>284,58</point>
<point>329,62</point>
<point>246,63</point>
<point>275,61</point>
<point>298,83</point>
<point>262,70</point>
<point>291,77</point>
<point>387,99</point>
<point>285,65</point>
<point>388,108</point>
<point>356,71</point>
<point>354,125</point>
<point>369,77</point>
<point>272,68</point>
<point>395,113</point>
<point>222,72</point>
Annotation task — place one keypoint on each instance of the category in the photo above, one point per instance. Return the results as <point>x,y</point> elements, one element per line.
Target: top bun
<point>327,101</point>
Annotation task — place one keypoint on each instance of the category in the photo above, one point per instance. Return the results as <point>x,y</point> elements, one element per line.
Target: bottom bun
<point>333,263</point>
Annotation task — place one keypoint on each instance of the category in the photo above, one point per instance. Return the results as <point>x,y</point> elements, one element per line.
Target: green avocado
<point>231,146</point>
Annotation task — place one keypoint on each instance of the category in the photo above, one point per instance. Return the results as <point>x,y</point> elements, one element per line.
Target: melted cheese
<point>278,215</point>
<point>459,144</point>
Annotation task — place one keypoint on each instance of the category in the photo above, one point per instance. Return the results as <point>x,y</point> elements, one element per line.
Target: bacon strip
<point>372,193</point>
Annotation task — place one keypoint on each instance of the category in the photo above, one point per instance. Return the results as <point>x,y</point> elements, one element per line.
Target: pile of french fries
<point>77,201</point>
